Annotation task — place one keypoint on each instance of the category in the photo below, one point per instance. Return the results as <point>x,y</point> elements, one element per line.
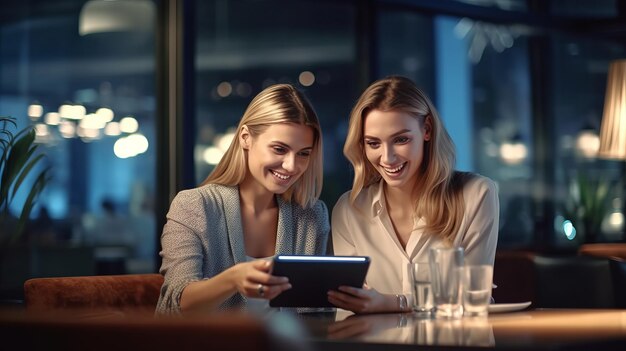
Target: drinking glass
<point>446,266</point>
<point>477,289</point>
<point>419,276</point>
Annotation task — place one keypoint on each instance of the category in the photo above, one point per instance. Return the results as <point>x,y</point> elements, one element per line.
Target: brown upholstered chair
<point>572,282</point>
<point>116,312</point>
<point>514,274</point>
<point>618,275</point>
<point>71,330</point>
<point>604,250</point>
<point>107,292</point>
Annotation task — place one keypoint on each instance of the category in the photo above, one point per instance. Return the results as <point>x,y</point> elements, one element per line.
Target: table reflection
<point>537,329</point>
<point>556,329</point>
<point>467,332</point>
<point>400,328</point>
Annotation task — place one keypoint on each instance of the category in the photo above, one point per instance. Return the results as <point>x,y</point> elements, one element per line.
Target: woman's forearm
<point>208,294</point>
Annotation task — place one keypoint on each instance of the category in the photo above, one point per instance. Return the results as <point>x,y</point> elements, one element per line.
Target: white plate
<point>508,307</point>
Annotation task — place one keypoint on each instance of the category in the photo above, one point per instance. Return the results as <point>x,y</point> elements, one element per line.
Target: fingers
<point>275,290</point>
<point>353,291</point>
<point>348,301</point>
<point>274,280</point>
<point>261,284</point>
<point>266,291</point>
<point>262,265</point>
<point>354,299</point>
<point>341,303</point>
<point>262,275</point>
<point>257,273</point>
<point>343,299</point>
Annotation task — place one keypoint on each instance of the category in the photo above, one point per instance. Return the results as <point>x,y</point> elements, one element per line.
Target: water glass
<point>419,277</point>
<point>446,268</point>
<point>477,282</point>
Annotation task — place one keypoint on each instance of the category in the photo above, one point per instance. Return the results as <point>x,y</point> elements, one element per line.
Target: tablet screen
<point>312,276</point>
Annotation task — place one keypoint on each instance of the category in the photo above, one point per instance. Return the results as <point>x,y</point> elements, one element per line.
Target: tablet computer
<point>312,276</point>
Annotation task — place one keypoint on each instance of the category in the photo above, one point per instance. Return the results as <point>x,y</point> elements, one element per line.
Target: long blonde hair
<point>438,186</point>
<point>280,103</point>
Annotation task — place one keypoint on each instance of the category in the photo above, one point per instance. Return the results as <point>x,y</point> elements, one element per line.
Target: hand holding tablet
<point>312,276</point>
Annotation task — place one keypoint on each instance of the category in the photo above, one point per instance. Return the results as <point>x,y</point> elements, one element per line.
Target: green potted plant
<point>18,160</point>
<point>586,206</point>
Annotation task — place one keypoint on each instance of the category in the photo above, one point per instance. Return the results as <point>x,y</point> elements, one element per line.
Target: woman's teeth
<point>281,176</point>
<point>395,170</point>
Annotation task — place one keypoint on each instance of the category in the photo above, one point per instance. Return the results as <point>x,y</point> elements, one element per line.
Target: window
<point>92,86</point>
<point>245,46</point>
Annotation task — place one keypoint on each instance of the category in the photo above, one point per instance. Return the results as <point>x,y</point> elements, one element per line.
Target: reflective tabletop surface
<point>534,329</point>
<point>548,329</point>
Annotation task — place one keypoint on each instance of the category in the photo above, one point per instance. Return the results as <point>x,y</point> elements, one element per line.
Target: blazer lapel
<point>233,223</point>
<point>286,228</point>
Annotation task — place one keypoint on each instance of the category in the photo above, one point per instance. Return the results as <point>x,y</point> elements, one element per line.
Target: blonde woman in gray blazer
<point>259,201</point>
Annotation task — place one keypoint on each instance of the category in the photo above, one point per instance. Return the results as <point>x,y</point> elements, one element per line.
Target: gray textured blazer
<point>203,236</point>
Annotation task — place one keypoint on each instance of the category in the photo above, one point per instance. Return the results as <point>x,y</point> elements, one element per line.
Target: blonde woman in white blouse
<point>262,199</point>
<point>406,196</point>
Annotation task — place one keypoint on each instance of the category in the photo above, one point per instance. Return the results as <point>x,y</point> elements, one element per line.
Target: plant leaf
<point>29,203</point>
<point>20,152</point>
<point>16,164</point>
<point>25,171</point>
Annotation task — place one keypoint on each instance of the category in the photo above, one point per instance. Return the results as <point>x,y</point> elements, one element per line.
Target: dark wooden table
<point>532,330</point>
<point>116,330</point>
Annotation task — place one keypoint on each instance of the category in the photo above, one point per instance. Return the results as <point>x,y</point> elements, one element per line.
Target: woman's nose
<point>389,154</point>
<point>289,163</point>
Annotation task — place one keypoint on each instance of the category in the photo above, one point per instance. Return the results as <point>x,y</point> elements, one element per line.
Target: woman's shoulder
<point>318,208</point>
<point>186,196</point>
<point>475,184</point>
<point>205,195</point>
<point>362,202</point>
<point>344,200</point>
<point>207,190</point>
<point>316,214</point>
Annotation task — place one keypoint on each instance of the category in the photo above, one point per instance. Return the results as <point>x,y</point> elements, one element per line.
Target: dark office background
<point>519,84</point>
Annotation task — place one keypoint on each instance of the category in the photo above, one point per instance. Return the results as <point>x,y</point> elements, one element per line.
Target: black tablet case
<point>311,280</point>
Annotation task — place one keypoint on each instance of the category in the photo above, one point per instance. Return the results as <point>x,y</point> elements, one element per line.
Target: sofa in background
<point>131,292</point>
<point>116,312</point>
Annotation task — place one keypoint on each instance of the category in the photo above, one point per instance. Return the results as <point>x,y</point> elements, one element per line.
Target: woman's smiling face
<point>394,145</point>
<point>278,156</point>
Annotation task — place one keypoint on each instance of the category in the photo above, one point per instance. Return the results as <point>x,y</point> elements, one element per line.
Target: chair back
<point>76,330</point>
<point>617,267</point>
<point>514,274</point>
<point>604,250</point>
<point>118,292</point>
<point>572,282</point>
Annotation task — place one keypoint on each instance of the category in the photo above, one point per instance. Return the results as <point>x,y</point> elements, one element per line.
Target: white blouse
<point>365,229</point>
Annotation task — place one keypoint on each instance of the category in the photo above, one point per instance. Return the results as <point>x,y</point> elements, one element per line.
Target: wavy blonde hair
<point>280,103</point>
<point>438,187</point>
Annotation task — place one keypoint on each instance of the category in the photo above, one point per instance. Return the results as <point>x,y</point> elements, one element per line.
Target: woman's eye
<point>279,149</point>
<point>372,144</point>
<point>402,140</point>
<point>304,153</point>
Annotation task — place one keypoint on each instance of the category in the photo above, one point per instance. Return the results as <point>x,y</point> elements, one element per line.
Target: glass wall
<point>82,74</point>
<point>522,99</point>
<point>245,46</point>
<point>502,132</point>
<point>523,104</point>
<point>580,76</point>
<point>482,91</point>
